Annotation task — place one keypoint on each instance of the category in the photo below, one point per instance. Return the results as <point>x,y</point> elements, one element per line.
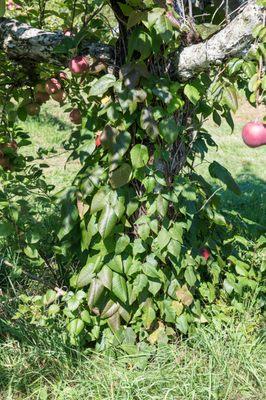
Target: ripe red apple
<point>98,141</point>
<point>68,32</point>
<point>78,65</point>
<point>33,109</point>
<point>75,116</point>
<point>254,134</point>
<point>52,85</point>
<point>59,96</point>
<point>205,253</point>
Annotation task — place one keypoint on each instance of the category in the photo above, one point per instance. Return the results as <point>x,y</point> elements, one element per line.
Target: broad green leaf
<point>148,123</point>
<point>75,327</point>
<point>163,238</point>
<point>85,276</point>
<point>182,323</point>
<point>219,172</point>
<point>121,244</point>
<point>139,156</point>
<point>110,309</point>
<point>141,42</point>
<point>148,315</point>
<point>119,287</point>
<point>95,291</point>
<point>98,201</point>
<point>6,229</point>
<point>102,85</point>
<point>49,297</point>
<point>190,275</point>
<point>121,176</point>
<point>169,130</point>
<point>105,276</point>
<point>107,221</point>
<point>192,93</point>
<point>162,205</point>
<point>230,98</point>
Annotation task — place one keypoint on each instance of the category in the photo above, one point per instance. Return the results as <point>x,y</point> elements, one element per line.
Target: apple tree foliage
<point>143,250</point>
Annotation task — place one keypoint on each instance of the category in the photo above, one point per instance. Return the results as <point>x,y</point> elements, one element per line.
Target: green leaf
<point>169,130</point>
<point>121,176</point>
<point>149,314</point>
<point>190,275</point>
<point>98,201</point>
<point>230,98</point>
<point>2,7</point>
<point>162,205</point>
<point>110,309</point>
<point>141,42</point>
<point>85,276</point>
<point>219,172</point>
<point>121,244</point>
<point>192,93</point>
<point>102,85</point>
<point>95,291</point>
<point>182,324</point>
<point>119,287</point>
<point>75,327</point>
<point>6,229</point>
<point>49,297</point>
<point>184,295</point>
<point>139,156</point>
<point>107,221</point>
<point>106,276</point>
<point>148,123</point>
<point>163,238</point>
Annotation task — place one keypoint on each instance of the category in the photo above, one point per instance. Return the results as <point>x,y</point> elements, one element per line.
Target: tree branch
<point>24,43</point>
<point>230,42</point>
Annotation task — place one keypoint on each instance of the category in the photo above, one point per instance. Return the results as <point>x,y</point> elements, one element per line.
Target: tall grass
<point>211,365</point>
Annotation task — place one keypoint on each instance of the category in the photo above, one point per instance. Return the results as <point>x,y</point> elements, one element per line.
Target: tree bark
<point>21,42</point>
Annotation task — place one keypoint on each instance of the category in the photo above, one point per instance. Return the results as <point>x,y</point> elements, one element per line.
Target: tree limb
<point>230,42</point>
<point>21,42</point>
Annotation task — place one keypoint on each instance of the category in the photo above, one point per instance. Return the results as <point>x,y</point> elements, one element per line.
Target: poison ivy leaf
<point>219,172</point>
<point>98,201</point>
<point>190,275</point>
<point>163,238</point>
<point>162,205</point>
<point>85,276</point>
<point>107,221</point>
<point>75,327</point>
<point>121,176</point>
<point>141,42</point>
<point>184,295</point>
<point>110,309</point>
<point>6,229</point>
<point>149,314</point>
<point>139,156</point>
<point>105,276</point>
<point>119,287</point>
<point>121,244</point>
<point>95,291</point>
<point>169,130</point>
<point>102,85</point>
<point>192,93</point>
<point>49,297</point>
<point>182,324</point>
<point>148,123</point>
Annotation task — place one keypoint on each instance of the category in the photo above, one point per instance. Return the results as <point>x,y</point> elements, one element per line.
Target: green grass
<point>225,365</point>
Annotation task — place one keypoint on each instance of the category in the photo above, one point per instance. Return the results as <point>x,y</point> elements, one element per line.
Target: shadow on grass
<point>250,205</point>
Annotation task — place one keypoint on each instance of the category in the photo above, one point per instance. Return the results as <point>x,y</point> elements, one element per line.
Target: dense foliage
<point>151,250</point>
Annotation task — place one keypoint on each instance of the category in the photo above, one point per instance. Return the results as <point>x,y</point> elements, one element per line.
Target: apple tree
<point>151,252</point>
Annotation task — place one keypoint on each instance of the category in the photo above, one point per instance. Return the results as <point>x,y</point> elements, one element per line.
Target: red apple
<point>59,96</point>
<point>68,32</point>
<point>75,116</point>
<point>205,253</point>
<point>33,109</point>
<point>78,65</point>
<point>98,141</point>
<point>254,134</point>
<point>52,85</point>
